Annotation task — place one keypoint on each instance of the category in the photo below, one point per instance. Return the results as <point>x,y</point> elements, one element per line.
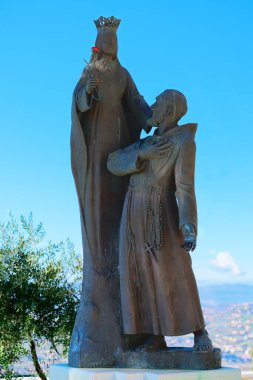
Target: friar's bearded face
<point>159,110</point>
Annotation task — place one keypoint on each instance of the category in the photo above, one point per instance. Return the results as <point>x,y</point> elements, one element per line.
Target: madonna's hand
<point>91,84</point>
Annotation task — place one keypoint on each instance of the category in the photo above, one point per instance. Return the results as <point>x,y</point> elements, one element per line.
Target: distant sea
<point>225,295</point>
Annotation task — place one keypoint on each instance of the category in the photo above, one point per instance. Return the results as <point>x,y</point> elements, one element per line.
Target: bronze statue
<point>138,284</point>
<point>108,113</point>
<point>159,294</point>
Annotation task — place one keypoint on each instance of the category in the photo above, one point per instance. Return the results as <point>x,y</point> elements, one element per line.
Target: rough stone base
<point>64,372</point>
<point>177,357</point>
<point>172,358</point>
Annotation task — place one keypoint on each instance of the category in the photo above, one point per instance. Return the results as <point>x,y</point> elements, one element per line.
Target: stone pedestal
<point>171,358</point>
<point>65,372</point>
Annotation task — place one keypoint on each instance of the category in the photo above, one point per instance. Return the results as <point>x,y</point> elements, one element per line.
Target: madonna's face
<point>108,44</point>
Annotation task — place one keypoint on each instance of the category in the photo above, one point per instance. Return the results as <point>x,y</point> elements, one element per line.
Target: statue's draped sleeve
<point>125,161</point>
<point>138,109</point>
<point>78,145</point>
<point>83,100</point>
<point>184,178</point>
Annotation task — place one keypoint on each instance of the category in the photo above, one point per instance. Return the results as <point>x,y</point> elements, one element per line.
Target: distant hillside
<point>219,295</point>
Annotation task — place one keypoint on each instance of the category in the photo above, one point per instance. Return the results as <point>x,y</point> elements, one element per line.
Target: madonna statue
<point>108,114</point>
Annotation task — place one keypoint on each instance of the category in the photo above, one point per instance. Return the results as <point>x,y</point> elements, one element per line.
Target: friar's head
<point>168,109</point>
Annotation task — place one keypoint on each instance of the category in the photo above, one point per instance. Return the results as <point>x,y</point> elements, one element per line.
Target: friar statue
<point>159,295</point>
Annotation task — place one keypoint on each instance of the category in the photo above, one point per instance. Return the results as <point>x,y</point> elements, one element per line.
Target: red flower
<point>95,49</point>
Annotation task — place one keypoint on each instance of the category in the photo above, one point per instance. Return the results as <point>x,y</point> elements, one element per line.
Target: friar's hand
<point>154,148</point>
<point>189,234</point>
<point>91,85</point>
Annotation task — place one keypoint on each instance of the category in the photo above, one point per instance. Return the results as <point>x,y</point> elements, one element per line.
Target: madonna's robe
<point>98,128</point>
<point>158,289</point>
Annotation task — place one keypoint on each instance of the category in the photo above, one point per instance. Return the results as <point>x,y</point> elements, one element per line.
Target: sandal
<point>202,343</point>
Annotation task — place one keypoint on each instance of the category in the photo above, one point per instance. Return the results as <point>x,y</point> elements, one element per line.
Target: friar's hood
<point>184,129</point>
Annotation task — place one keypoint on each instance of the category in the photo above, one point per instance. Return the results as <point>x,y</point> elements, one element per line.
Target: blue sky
<point>202,48</point>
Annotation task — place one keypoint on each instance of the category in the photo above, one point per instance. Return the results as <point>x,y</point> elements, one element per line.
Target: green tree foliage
<point>39,293</point>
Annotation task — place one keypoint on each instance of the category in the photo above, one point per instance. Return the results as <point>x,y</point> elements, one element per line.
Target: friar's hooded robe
<point>158,289</point>
<point>110,119</point>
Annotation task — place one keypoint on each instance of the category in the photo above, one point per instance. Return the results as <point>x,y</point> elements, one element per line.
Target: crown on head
<point>103,22</point>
